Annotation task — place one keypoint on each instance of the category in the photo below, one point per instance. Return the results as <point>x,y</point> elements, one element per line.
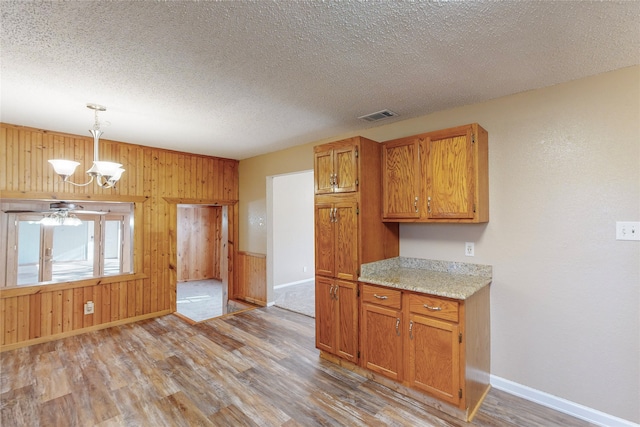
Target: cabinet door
<point>381,337</point>
<point>401,179</point>
<point>346,240</point>
<point>345,169</point>
<point>323,172</point>
<point>325,314</point>
<point>324,239</point>
<point>450,174</point>
<point>346,299</point>
<point>434,357</point>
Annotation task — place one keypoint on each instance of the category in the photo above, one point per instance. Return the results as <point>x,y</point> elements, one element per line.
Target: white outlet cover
<point>469,249</point>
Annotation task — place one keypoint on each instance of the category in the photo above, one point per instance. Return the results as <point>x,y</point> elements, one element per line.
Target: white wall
<point>564,167</point>
<point>293,234</point>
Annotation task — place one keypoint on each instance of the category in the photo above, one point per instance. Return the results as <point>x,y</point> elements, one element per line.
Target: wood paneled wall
<point>252,278</point>
<point>156,180</point>
<point>199,242</point>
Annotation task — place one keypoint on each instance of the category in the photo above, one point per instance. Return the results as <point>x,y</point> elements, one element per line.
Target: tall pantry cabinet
<point>348,232</point>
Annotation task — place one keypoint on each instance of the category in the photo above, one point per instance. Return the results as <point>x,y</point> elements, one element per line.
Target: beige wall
<point>564,167</point>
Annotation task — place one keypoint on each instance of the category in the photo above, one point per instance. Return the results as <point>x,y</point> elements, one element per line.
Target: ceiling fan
<point>60,213</point>
<point>59,207</point>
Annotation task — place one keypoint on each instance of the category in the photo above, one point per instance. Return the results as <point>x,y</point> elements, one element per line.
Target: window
<point>101,245</point>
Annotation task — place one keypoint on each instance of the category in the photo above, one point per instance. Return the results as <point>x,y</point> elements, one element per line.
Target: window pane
<point>73,251</point>
<point>113,247</point>
<point>28,252</point>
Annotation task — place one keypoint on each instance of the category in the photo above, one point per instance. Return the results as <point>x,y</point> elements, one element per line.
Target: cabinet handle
<point>428,307</point>
<point>415,204</point>
<point>335,179</point>
<point>331,291</point>
<point>428,204</point>
<point>398,326</point>
<point>335,215</point>
<point>335,293</point>
<point>411,330</point>
<point>380,296</point>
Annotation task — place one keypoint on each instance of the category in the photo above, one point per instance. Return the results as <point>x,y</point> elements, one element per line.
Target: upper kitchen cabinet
<point>440,176</point>
<point>336,167</point>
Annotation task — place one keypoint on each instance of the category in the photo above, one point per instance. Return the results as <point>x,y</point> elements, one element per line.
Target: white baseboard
<point>559,404</point>
<point>284,285</point>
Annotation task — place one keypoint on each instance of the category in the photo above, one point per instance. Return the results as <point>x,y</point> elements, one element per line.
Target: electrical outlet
<point>88,307</point>
<point>469,249</point>
<point>627,230</point>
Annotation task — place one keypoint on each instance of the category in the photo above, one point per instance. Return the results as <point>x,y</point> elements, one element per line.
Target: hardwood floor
<point>256,368</point>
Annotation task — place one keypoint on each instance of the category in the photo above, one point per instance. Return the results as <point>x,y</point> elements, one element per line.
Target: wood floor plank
<point>255,368</point>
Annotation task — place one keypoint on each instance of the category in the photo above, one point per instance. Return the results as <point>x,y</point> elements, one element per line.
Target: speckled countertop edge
<point>442,278</point>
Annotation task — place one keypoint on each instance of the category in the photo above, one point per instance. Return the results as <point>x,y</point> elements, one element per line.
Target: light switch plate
<point>627,230</point>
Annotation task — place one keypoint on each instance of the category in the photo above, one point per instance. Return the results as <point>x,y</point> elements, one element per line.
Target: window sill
<point>14,291</point>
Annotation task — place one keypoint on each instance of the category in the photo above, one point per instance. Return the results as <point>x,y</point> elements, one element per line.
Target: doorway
<point>290,242</point>
<point>202,290</point>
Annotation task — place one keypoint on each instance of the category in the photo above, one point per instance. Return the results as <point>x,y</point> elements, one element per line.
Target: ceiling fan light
<point>63,167</point>
<point>72,220</point>
<point>49,220</point>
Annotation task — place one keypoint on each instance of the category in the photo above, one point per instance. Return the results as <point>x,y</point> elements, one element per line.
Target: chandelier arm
<point>78,185</point>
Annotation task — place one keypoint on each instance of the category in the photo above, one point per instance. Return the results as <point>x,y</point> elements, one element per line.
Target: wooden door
<point>346,240</point>
<point>325,314</point>
<point>323,172</point>
<point>434,357</point>
<point>346,169</point>
<point>401,179</point>
<point>381,338</point>
<point>450,174</point>
<point>324,239</point>
<point>346,298</point>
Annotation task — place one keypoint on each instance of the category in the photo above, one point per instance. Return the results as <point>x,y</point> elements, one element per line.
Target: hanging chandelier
<point>105,174</point>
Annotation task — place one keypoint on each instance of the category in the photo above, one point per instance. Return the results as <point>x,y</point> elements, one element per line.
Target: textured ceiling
<point>238,78</point>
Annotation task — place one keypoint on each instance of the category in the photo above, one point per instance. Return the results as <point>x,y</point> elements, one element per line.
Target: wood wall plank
<point>252,277</point>
<point>152,176</point>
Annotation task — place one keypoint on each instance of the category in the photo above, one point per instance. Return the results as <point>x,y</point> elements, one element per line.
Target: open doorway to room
<point>290,242</point>
<point>202,263</point>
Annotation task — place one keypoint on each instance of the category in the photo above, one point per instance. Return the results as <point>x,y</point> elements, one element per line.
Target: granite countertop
<point>456,280</point>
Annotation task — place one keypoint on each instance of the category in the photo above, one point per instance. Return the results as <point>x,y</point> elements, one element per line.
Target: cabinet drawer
<point>433,306</point>
<point>382,296</point>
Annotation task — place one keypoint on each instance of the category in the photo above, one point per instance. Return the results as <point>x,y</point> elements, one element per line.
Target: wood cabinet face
<point>324,240</point>
<point>323,171</point>
<point>346,169</point>
<point>401,179</point>
<point>325,314</point>
<point>450,176</point>
<point>336,236</point>
<point>381,336</point>
<point>346,240</point>
<point>434,357</point>
<point>439,176</point>
<point>336,169</point>
<point>346,299</point>
<point>337,317</point>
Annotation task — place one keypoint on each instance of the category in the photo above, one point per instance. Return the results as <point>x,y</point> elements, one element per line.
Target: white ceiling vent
<point>378,115</point>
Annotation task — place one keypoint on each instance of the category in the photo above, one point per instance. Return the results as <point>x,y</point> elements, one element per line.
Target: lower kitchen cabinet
<point>434,357</point>
<point>382,340</point>
<point>438,346</point>
<point>337,317</point>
